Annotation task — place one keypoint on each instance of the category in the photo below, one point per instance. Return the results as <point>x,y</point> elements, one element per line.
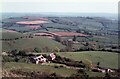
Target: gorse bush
<point>8,59</point>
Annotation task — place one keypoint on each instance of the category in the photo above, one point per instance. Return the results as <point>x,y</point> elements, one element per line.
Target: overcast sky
<point>86,6</point>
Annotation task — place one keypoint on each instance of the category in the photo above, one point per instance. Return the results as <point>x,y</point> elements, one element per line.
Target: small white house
<point>40,59</point>
<point>53,56</point>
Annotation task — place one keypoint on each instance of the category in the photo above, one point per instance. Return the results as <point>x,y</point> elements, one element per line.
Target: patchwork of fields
<point>73,39</point>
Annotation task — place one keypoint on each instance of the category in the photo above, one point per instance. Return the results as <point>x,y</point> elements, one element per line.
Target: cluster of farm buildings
<point>41,59</point>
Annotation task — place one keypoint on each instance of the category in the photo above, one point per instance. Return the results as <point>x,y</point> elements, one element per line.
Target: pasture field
<point>11,35</point>
<point>106,59</point>
<point>31,43</point>
<point>28,67</point>
<point>42,68</point>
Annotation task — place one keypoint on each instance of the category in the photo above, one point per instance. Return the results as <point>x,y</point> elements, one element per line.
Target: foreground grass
<point>33,67</point>
<point>48,68</point>
<point>106,59</point>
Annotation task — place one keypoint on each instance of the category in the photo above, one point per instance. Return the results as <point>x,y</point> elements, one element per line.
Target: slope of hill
<point>41,43</point>
<point>12,35</point>
<point>106,59</point>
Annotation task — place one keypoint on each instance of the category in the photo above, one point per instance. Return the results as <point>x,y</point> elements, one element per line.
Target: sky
<point>81,6</point>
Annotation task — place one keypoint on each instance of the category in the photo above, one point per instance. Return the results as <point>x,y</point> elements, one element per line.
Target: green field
<point>31,43</point>
<point>12,35</point>
<point>62,71</point>
<point>33,67</point>
<point>106,59</point>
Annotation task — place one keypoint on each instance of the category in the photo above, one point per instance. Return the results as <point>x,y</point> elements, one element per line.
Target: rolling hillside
<point>12,35</point>
<point>106,59</point>
<point>30,44</point>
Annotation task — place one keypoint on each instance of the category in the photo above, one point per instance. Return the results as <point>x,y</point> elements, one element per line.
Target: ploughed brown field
<point>44,34</point>
<point>70,34</point>
<point>32,22</point>
<point>61,34</point>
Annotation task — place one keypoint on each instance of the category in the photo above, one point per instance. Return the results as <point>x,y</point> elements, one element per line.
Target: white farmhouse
<point>40,59</point>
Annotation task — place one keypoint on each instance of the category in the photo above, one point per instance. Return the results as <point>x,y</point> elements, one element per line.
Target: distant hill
<point>59,14</point>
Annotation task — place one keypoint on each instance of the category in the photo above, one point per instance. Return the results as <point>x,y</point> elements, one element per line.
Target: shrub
<point>88,64</point>
<point>56,67</point>
<point>14,52</point>
<point>22,53</point>
<point>8,59</point>
<point>24,60</point>
<point>36,50</point>
<point>81,71</point>
<point>61,66</point>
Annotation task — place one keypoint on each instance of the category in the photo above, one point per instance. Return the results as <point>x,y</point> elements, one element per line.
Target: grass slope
<point>106,59</point>
<point>31,43</point>
<point>42,68</point>
<point>11,35</point>
<point>28,67</point>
